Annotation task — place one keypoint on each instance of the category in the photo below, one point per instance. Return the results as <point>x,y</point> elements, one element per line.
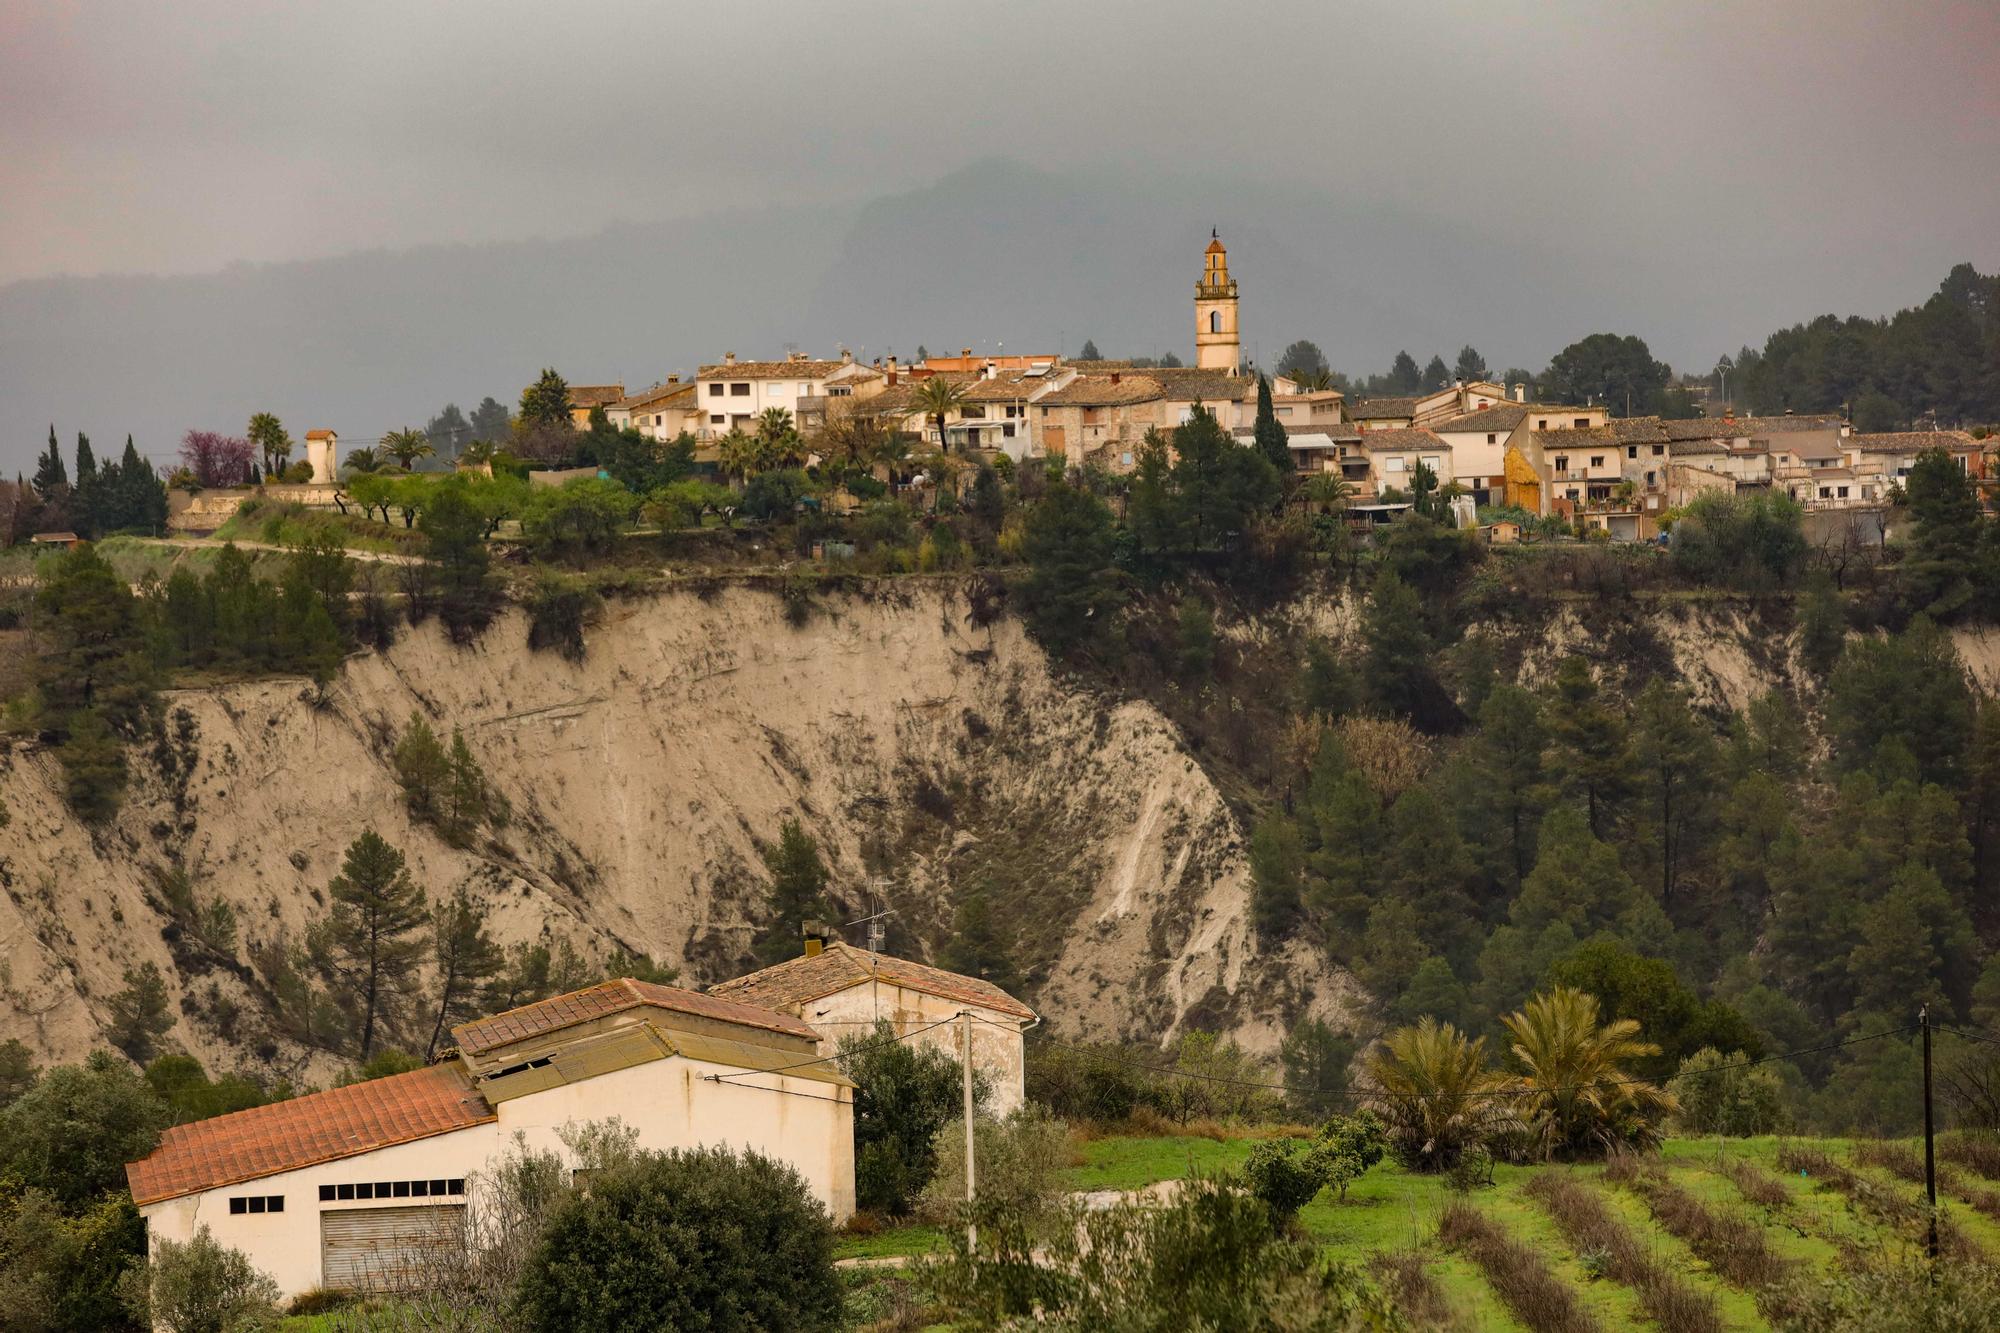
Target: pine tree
<point>1471,365</point>
<point>373,942</point>
<point>798,892</point>
<point>1944,549</point>
<point>546,402</point>
<point>469,800</point>
<point>467,961</point>
<point>93,761</point>
<point>1596,759</point>
<point>140,1014</point>
<point>1822,625</point>
<point>422,769</point>
<point>980,944</point>
<point>1072,594</point>
<point>1982,801</point>
<point>1277,878</point>
<point>1089,352</point>
<point>1676,761</point>
<point>1272,441</point>
<point>1507,777</point>
<point>1397,663</point>
<point>1436,374</point>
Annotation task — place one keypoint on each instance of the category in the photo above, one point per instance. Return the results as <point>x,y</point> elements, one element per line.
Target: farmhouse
<point>354,1187</point>
<point>843,991</point>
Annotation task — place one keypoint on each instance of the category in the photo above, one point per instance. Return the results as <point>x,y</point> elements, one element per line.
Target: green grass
<point>894,1241</point>
<point>1132,1163</point>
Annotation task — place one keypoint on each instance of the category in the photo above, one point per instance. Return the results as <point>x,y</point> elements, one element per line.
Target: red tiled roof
<point>613,997</point>
<point>808,977</point>
<point>305,1131</point>
<point>319,435</point>
<point>1911,441</point>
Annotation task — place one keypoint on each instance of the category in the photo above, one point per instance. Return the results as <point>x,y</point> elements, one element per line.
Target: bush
<point>1094,1084</point>
<point>1717,1097</point>
<point>62,1271</point>
<point>1285,1174</point>
<point>1021,1165</point>
<point>202,1287</point>
<point>1350,1145</point>
<point>558,610</point>
<point>1750,542</point>
<point>1210,1259</point>
<point>685,1240</point>
<point>774,494</point>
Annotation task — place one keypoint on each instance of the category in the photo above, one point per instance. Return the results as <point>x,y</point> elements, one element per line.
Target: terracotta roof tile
<point>611,997</point>
<point>659,394</point>
<point>1363,409</point>
<point>808,977</point>
<point>1911,441</point>
<point>1497,418</point>
<point>1401,437</point>
<point>595,395</point>
<point>1100,391</point>
<point>319,1127</point>
<point>319,435</point>
<point>771,370</point>
<point>1729,428</point>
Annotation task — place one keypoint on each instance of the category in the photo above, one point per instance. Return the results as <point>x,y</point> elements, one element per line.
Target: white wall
<point>668,1101</point>
<point>999,1051</point>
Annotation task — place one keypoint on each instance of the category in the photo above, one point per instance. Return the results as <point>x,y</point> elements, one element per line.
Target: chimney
<point>674,378</point>
<point>1114,377</point>
<point>816,937</point>
<point>729,358</point>
<point>846,357</point>
<point>1520,393</point>
<point>890,373</point>
<point>965,355</point>
<point>991,368</point>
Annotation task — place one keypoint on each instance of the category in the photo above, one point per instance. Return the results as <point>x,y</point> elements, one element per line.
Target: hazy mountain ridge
<point>997,251</point>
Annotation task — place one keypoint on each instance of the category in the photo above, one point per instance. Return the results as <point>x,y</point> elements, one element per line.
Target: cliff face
<point>931,757</point>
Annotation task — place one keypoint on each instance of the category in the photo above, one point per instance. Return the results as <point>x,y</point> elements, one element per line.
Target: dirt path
<point>210,544</point>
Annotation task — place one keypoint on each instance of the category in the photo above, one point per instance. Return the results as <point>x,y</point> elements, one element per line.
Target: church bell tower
<point>1216,345</point>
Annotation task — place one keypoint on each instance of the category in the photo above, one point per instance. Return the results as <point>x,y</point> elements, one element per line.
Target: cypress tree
<point>50,475</point>
<point>1271,438</point>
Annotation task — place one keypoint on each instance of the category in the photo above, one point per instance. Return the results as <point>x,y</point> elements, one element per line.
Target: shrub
<point>1095,1084</point>
<point>1717,1096</point>
<point>203,1287</point>
<point>1753,543</point>
<point>1021,1164</point>
<point>1210,1259</point>
<point>62,1270</point>
<point>1434,1092</point>
<point>558,610</point>
<point>694,1239</point>
<point>1350,1145</point>
<point>1732,1245</point>
<point>1906,1297</point>
<point>72,1133</point>
<point>1285,1174</point>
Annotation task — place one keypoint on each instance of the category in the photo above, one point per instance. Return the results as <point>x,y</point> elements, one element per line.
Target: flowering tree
<point>216,460</point>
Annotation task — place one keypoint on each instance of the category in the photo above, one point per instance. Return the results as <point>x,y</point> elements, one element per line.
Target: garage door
<point>387,1249</point>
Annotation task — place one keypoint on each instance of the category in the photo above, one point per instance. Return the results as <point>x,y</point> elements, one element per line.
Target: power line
<point>1173,1072</point>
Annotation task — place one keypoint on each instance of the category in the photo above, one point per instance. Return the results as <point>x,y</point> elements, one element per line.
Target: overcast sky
<point>1787,156</point>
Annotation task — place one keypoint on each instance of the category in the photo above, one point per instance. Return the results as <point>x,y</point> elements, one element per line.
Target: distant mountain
<point>995,252</point>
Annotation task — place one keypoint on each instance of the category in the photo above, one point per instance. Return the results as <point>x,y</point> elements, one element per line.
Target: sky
<point>1780,158</point>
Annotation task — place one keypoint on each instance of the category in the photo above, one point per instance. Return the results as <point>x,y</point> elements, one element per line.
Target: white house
<point>353,1187</point>
<point>732,394</point>
<point>843,991</point>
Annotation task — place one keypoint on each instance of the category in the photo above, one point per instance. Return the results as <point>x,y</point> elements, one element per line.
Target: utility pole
<point>1930,1146</point>
<point>972,1229</point>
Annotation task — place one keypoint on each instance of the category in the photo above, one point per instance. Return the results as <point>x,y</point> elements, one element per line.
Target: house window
<point>1826,493</point>
<point>390,1189</point>
<point>1562,463</point>
<point>739,391</point>
<point>715,419</point>
<point>1597,460</point>
<point>1581,423</point>
<point>1542,424</point>
<point>1631,451</point>
<point>1572,493</point>
<point>1659,449</point>
<point>1493,439</point>
<point>1007,430</point>
<point>1649,478</point>
<point>256,1203</point>
<point>1843,492</point>
<point>715,391</point>
<point>1392,465</point>
<point>1215,321</point>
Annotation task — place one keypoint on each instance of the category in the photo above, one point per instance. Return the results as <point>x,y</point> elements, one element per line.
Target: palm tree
<point>774,423</point>
<point>939,398</point>
<point>1312,381</point>
<point>1576,1094</point>
<point>1432,1086</point>
<point>738,455</point>
<point>363,461</point>
<point>406,446</point>
<point>1329,490</point>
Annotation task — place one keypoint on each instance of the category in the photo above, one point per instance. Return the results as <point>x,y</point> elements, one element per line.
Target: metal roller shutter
<point>386,1249</point>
